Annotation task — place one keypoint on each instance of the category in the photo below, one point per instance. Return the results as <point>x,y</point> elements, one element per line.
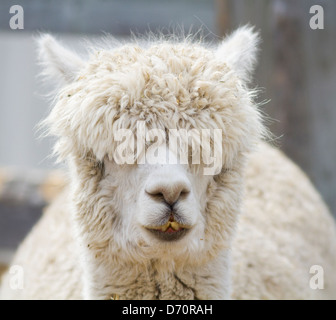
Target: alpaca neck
<point>111,278</point>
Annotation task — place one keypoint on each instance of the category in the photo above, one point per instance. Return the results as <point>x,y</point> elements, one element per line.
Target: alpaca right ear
<point>239,50</point>
<point>58,62</point>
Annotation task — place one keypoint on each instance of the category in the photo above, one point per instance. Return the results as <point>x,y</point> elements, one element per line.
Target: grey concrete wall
<point>23,103</point>
<point>115,16</point>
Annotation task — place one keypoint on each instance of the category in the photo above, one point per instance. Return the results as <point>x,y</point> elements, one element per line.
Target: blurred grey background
<point>297,71</point>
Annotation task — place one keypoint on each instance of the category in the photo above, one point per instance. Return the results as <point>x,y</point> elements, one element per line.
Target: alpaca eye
<point>100,166</point>
<point>223,171</point>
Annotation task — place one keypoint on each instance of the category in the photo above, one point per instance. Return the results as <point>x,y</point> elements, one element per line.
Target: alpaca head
<point>115,118</point>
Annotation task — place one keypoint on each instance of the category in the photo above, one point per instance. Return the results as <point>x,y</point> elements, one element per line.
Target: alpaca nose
<point>170,191</point>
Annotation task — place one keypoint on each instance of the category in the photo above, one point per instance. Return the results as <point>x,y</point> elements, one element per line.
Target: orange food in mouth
<point>170,227</point>
<point>171,230</point>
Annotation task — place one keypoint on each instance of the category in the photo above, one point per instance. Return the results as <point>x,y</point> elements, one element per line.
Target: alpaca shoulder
<point>284,229</point>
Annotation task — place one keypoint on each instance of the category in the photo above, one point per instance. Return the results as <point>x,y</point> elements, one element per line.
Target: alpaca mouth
<point>170,231</point>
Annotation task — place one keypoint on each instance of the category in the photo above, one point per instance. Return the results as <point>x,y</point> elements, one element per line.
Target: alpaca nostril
<point>169,193</point>
<point>155,195</point>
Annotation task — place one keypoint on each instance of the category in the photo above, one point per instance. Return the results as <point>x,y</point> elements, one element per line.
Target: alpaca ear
<point>58,62</point>
<point>239,51</point>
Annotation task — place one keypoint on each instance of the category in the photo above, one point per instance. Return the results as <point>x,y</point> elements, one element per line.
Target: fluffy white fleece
<point>260,223</point>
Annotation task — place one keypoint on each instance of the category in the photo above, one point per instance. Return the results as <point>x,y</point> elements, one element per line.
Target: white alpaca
<point>167,231</point>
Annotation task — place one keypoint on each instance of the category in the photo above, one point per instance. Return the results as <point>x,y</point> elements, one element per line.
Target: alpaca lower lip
<point>172,230</point>
<point>169,234</point>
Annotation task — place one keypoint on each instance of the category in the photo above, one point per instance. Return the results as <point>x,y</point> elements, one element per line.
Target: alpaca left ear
<point>58,62</point>
<point>239,51</point>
